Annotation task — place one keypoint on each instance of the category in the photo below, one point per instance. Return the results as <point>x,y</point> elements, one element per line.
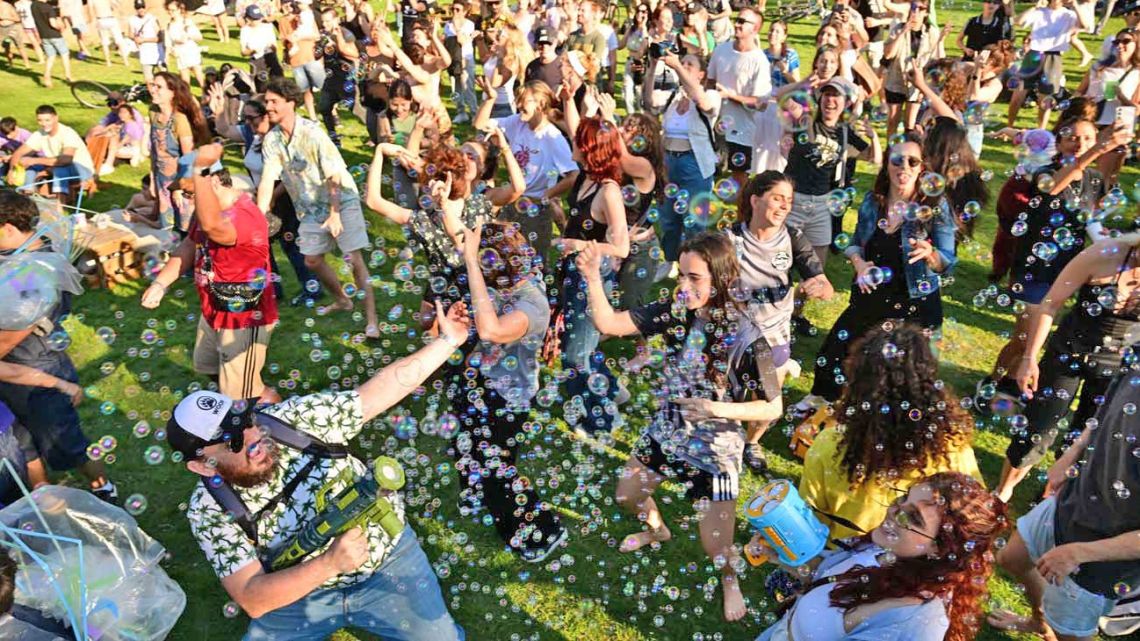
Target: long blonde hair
<point>517,53</point>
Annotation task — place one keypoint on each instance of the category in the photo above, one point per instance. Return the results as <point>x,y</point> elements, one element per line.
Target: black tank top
<point>581,225</point>
<point>1099,312</point>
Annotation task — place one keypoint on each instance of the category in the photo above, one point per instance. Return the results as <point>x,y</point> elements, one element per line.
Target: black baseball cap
<point>542,35</point>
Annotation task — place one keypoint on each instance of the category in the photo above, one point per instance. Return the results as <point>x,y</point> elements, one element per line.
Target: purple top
<point>13,142</point>
<point>133,129</point>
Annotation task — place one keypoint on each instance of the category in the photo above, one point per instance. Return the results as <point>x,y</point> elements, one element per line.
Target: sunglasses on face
<point>907,517</point>
<point>251,117</point>
<point>911,161</point>
<point>1122,41</point>
<point>743,21</point>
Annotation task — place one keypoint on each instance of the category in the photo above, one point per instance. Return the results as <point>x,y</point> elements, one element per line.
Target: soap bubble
<point>932,184</point>
<point>154,455</point>
<point>135,504</point>
<point>231,609</point>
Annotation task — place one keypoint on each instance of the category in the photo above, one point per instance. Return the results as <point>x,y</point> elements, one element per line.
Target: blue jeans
<point>400,602</point>
<point>684,172</point>
<point>61,177</point>
<point>580,352</point>
<point>463,89</point>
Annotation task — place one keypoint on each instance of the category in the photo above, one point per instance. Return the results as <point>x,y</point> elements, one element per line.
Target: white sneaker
<point>460,119</point>
<point>106,169</point>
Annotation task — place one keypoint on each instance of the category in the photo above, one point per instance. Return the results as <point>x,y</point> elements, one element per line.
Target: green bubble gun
<point>363,502</point>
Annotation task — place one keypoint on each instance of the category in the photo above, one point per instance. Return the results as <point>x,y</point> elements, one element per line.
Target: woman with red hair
<point>596,213</point>
<point>920,576</point>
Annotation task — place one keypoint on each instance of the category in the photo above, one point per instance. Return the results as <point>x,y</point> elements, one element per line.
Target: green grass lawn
<point>590,591</point>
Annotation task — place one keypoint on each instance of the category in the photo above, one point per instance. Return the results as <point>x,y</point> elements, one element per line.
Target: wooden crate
<point>109,255</point>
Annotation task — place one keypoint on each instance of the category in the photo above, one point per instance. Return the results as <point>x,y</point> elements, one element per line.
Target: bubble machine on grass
<point>786,523</point>
<point>363,502</point>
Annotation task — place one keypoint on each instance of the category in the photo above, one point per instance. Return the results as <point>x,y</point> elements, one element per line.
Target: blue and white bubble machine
<point>786,522</point>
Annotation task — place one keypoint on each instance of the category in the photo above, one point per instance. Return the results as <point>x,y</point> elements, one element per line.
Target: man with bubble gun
<point>265,475</point>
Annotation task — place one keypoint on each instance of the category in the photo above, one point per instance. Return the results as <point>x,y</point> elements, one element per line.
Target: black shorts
<point>738,158</point>
<point>894,98</point>
<point>699,484</point>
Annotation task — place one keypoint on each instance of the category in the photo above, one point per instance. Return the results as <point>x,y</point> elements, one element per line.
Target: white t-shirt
<point>1050,29</point>
<point>747,74</point>
<point>145,27</point>
<point>259,38</point>
<point>611,44</point>
<point>24,8</point>
<point>64,138</point>
<point>544,155</point>
<point>467,28</point>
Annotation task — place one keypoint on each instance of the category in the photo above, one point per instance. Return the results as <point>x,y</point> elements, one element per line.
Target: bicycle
<point>95,95</point>
<point>795,12</point>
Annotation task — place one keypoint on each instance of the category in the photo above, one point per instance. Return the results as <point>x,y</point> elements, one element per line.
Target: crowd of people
<point>609,158</point>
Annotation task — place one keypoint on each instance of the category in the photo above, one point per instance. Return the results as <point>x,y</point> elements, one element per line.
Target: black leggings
<point>1068,361</point>
<point>484,450</point>
<point>864,312</point>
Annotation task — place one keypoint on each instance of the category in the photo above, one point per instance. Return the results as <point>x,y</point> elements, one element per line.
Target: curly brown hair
<point>899,416</point>
<point>442,160</point>
<point>972,519</point>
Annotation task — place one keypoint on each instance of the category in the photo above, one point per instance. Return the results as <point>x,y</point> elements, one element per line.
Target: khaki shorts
<point>14,32</point>
<point>316,241</point>
<point>235,356</point>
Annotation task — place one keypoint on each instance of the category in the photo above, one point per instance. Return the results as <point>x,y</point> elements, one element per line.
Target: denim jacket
<point>920,279</point>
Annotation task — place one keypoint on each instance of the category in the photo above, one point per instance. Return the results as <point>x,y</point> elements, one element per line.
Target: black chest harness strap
<point>286,435</point>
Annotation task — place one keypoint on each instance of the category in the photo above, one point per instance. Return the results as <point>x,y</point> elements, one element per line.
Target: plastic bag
<point>128,595</point>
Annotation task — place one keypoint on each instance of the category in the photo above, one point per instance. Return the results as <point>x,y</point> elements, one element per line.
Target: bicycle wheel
<point>90,94</point>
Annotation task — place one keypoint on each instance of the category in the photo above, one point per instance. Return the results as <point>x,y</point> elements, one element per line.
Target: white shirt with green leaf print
<point>333,418</point>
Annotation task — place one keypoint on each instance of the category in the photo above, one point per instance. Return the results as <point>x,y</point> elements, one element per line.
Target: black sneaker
<point>755,458</point>
<point>108,493</point>
<point>538,552</point>
<point>803,326</point>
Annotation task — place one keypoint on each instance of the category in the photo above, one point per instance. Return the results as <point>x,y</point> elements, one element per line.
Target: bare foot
<point>1010,622</point>
<point>637,541</point>
<point>342,305</point>
<point>734,609</point>
<point>47,81</point>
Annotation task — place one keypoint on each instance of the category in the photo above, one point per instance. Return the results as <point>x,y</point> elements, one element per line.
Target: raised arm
<point>608,321</point>
<point>504,195</point>
<point>375,199</point>
<point>491,327</point>
<point>689,83</point>
<point>393,383</point>
<point>207,208</point>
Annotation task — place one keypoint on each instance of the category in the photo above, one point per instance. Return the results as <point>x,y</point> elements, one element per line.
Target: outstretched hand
<point>455,324</point>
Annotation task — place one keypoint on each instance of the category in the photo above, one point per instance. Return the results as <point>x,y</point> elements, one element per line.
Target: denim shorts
<point>310,76</point>
<point>56,47</point>
<point>811,216</point>
<point>1069,608</point>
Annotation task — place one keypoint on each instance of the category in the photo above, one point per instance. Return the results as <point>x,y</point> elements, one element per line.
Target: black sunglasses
<point>743,21</point>
<point>251,117</point>
<point>911,161</point>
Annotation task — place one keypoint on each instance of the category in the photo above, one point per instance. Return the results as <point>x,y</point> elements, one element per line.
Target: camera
<point>662,49</point>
